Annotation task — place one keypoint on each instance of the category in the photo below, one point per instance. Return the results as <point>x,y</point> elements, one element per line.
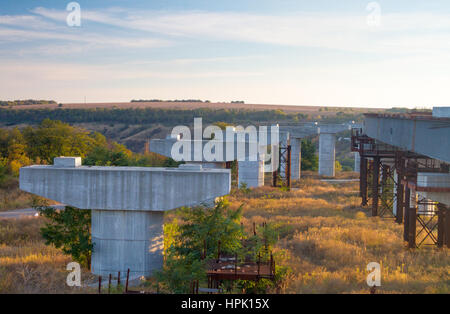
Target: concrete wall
<point>127,240</point>
<point>327,143</point>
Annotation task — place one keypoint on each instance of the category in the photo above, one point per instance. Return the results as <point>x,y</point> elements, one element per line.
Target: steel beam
<point>363,181</point>
<point>375,185</point>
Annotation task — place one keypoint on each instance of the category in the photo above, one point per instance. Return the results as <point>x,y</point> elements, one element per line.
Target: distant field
<point>197,105</point>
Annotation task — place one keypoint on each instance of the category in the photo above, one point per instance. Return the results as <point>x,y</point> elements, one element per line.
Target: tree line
<point>50,139</point>
<point>26,102</point>
<point>145,115</point>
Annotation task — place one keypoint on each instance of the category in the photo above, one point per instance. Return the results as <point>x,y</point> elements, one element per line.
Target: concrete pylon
<point>327,143</point>
<point>296,158</point>
<point>127,204</point>
<point>251,173</point>
<point>357,165</point>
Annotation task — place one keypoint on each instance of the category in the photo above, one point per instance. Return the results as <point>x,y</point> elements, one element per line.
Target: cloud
<point>319,30</point>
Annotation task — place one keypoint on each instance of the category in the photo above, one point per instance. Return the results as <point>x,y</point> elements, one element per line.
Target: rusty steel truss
<point>388,175</point>
<point>282,175</point>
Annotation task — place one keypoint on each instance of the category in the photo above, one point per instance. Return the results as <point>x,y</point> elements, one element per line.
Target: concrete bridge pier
<point>125,239</point>
<point>327,143</point>
<point>127,205</point>
<point>251,173</point>
<point>296,157</point>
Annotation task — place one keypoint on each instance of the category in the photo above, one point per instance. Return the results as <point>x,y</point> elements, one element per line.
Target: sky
<point>292,52</point>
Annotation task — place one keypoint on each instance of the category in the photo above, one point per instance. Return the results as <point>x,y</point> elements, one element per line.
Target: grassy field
<point>324,237</point>
<point>11,197</point>
<point>327,240</point>
<point>326,111</point>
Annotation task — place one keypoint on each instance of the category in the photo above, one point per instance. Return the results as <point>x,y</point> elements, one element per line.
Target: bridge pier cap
<point>127,205</point>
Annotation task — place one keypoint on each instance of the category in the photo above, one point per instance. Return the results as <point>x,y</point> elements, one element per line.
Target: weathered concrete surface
<point>434,180</point>
<point>327,143</point>
<point>441,112</point>
<point>127,239</point>
<point>67,161</point>
<point>127,206</point>
<point>296,158</point>
<point>423,135</point>
<point>251,173</point>
<point>125,188</point>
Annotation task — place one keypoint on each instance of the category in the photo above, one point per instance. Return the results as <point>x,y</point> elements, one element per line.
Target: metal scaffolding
<point>388,176</point>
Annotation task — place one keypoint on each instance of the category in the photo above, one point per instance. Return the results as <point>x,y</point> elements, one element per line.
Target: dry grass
<point>325,237</point>
<point>327,240</point>
<point>27,265</point>
<point>11,197</point>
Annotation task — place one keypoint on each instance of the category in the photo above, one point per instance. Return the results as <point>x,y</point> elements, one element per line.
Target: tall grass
<point>325,237</point>
<point>328,239</point>
<point>27,265</point>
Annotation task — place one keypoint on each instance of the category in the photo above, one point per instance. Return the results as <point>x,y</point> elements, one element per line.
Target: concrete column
<point>251,173</point>
<point>296,157</point>
<point>357,162</point>
<point>327,142</point>
<point>127,239</point>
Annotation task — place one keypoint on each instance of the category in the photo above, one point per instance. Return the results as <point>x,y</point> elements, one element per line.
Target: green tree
<point>68,229</point>
<point>310,160</point>
<point>55,138</point>
<point>102,156</point>
<point>186,241</point>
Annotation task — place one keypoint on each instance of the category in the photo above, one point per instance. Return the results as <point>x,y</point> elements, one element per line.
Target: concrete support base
<point>251,173</point>
<point>296,157</point>
<point>127,239</point>
<point>327,144</point>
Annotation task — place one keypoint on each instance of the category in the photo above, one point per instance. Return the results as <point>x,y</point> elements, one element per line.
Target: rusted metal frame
<point>99,284</point>
<point>412,220</point>
<point>428,227</point>
<point>363,176</point>
<point>128,277</point>
<point>288,167</point>
<point>443,226</point>
<point>375,186</point>
<point>386,200</point>
<point>400,164</point>
<point>427,223</point>
<point>406,207</point>
<point>285,160</point>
